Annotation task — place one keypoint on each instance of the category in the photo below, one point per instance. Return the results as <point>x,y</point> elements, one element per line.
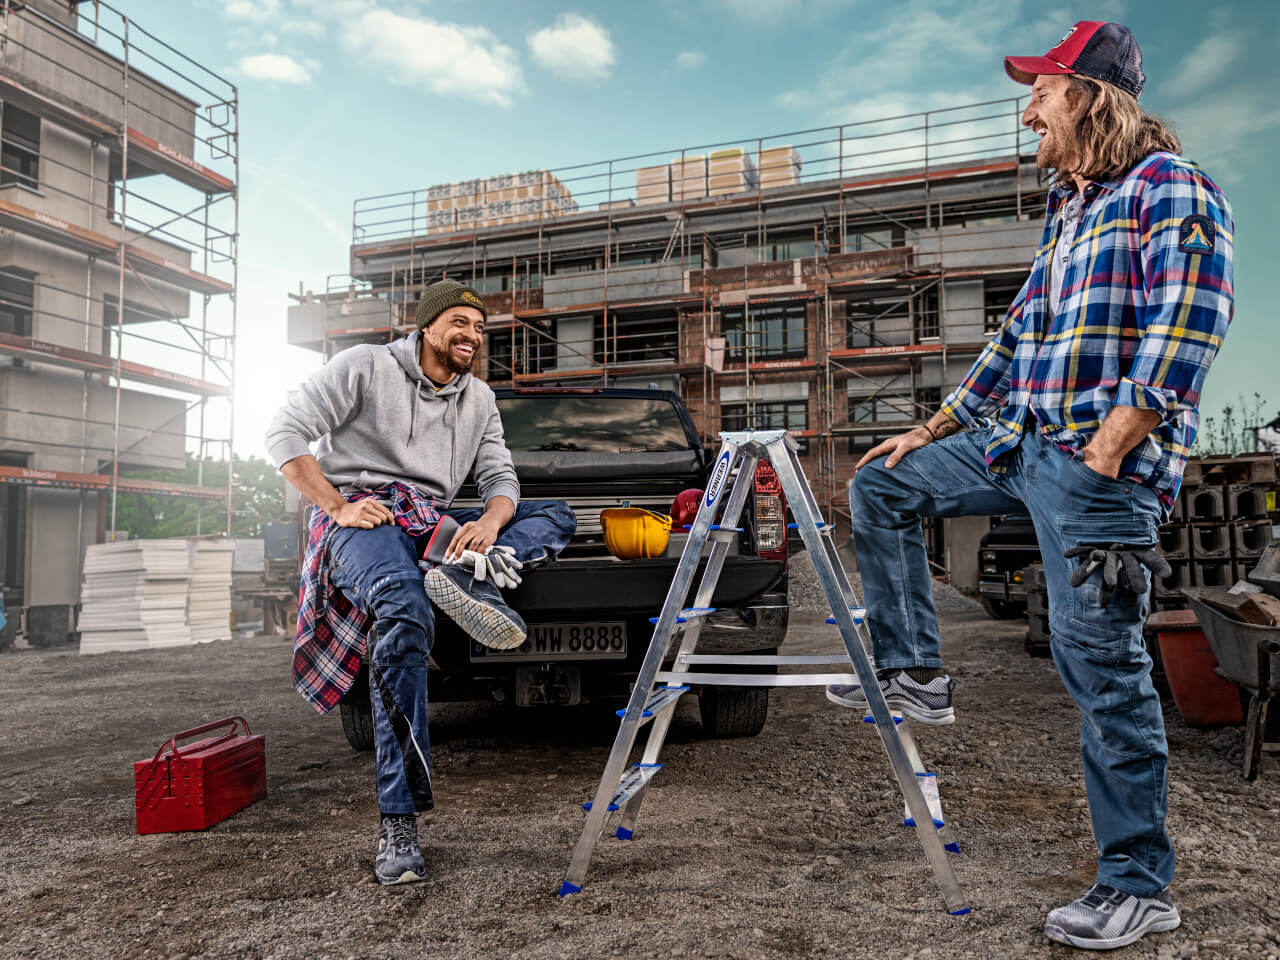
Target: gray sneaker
<point>926,702</point>
<point>399,858</point>
<point>1106,918</point>
<point>476,606</point>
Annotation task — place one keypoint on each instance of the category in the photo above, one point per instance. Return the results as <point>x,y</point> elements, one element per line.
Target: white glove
<point>498,564</point>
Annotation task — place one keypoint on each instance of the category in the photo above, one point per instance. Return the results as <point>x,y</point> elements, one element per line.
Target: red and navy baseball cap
<point>1104,51</point>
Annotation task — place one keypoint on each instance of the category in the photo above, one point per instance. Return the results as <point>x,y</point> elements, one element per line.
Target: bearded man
<point>401,425</point>
<point>1080,412</point>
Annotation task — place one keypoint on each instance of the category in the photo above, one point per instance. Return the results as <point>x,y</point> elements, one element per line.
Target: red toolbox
<point>194,787</point>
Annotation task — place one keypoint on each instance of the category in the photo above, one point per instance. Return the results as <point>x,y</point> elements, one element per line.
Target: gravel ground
<point>786,845</point>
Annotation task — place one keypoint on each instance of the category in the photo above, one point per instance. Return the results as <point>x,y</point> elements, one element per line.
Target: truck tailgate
<point>598,585</point>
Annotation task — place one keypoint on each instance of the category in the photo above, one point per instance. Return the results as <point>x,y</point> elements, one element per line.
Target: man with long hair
<point>1080,412</point>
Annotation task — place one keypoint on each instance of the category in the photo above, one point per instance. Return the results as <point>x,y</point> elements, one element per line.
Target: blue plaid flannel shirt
<point>1139,321</point>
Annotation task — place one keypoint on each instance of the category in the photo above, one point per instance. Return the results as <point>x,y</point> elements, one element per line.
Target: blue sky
<point>341,99</point>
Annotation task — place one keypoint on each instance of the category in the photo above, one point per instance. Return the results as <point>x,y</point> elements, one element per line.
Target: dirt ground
<point>786,845</point>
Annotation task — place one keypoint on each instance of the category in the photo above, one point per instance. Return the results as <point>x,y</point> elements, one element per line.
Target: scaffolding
<point>119,164</point>
<point>829,268</point>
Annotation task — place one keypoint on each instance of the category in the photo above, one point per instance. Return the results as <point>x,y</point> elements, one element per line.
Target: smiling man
<point>400,427</point>
<point>1080,412</point>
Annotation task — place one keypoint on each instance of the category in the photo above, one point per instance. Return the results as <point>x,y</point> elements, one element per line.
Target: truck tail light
<point>771,514</point>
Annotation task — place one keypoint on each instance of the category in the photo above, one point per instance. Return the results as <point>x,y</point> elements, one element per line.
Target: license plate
<point>596,640</point>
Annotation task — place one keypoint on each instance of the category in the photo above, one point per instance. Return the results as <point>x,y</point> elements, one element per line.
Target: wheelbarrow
<point>1249,656</point>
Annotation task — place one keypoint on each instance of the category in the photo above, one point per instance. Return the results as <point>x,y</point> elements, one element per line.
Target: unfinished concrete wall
<point>622,283</point>
<point>58,62</point>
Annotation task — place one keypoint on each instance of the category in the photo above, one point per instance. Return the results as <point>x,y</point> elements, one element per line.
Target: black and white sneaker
<point>399,858</point>
<point>1106,918</point>
<point>476,606</point>
<point>926,702</point>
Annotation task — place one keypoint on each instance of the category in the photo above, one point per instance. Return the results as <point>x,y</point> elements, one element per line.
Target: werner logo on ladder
<point>622,788</point>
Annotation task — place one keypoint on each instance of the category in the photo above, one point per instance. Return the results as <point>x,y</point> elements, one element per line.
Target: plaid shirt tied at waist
<point>331,629</point>
<point>1145,303</point>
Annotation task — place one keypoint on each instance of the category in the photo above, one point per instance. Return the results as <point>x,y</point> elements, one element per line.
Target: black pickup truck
<point>587,611</point>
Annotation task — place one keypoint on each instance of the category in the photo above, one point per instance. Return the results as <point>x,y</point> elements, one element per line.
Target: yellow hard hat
<point>631,533</point>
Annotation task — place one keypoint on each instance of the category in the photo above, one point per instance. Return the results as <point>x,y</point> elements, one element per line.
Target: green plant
<point>1231,431</point>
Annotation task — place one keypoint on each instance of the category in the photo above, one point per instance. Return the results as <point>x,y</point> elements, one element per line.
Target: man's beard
<point>1056,149</point>
<point>449,361</point>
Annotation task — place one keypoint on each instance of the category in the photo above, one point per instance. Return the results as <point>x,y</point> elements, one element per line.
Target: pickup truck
<point>587,611</point>
<point>1004,552</point>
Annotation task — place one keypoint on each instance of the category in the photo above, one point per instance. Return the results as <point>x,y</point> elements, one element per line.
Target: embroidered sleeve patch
<point>1196,234</point>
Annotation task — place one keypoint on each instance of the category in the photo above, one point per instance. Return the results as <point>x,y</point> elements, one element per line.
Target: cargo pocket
<point>1083,607</point>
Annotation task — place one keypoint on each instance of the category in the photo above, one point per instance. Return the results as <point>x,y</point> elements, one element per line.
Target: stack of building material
<point>689,178</point>
<point>653,184</point>
<point>134,596</point>
<point>779,167</point>
<point>497,201</point>
<point>209,593</point>
<point>730,171</point>
<point>617,205</point>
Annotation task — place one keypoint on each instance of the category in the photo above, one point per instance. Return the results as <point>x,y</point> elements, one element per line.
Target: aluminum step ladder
<point>653,699</point>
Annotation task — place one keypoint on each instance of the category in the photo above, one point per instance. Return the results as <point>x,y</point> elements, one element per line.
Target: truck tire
<point>733,711</point>
<point>1002,609</point>
<point>357,723</point>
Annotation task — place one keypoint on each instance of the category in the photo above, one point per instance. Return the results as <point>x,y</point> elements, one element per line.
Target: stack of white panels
<point>134,596</point>
<point>209,596</point>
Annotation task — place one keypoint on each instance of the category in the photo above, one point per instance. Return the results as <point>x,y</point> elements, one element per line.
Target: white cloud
<point>773,10</point>
<point>690,59</point>
<point>274,66</point>
<point>445,58</point>
<point>1217,130</point>
<point>1205,65</point>
<point>575,47</point>
<point>254,11</point>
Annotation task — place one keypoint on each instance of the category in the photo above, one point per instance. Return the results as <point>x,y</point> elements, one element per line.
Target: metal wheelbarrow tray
<point>1249,656</point>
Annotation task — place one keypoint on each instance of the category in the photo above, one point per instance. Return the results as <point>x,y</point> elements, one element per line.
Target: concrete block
<point>1175,541</point>
<point>1171,585</point>
<point>1210,541</point>
<point>50,625</point>
<point>1205,503</point>
<point>1248,540</point>
<point>1246,501</point>
<point>1214,573</point>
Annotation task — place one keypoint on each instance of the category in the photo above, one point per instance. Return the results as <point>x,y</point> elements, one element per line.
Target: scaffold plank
<point>61,479</point>
<point>45,352</point>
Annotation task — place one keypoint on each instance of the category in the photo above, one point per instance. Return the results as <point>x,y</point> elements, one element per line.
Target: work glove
<point>1122,567</point>
<point>498,564</point>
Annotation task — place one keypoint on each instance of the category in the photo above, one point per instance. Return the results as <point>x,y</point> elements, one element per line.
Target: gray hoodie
<point>379,418</point>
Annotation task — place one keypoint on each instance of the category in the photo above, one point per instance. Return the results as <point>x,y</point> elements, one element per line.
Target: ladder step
<point>859,614</point>
<point>758,679</point>
<point>749,660</point>
<point>660,699</point>
<point>630,784</point>
<point>690,613</point>
<point>715,528</point>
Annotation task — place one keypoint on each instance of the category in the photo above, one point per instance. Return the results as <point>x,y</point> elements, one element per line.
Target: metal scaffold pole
<point>124,239</point>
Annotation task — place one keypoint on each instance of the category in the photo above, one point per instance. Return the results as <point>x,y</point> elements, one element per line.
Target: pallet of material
<point>653,184</point>
<point>778,166</point>
<point>134,596</point>
<point>689,178</point>
<point>730,171</point>
<point>209,590</point>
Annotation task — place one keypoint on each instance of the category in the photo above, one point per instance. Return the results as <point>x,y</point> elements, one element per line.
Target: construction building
<point>118,171</point>
<point>835,282</point>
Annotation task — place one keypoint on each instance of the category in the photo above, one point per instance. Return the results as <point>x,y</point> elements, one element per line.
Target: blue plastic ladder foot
<point>625,834</point>
<point>953,848</point>
<point>959,913</point>
<point>567,888</point>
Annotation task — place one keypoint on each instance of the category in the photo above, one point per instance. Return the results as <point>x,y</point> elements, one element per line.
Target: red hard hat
<point>684,508</point>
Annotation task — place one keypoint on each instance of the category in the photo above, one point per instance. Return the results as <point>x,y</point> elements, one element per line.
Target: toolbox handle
<point>172,742</point>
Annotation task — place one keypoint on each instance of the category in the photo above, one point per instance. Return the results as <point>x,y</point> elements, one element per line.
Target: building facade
<point>108,226</point>
<point>841,298</point>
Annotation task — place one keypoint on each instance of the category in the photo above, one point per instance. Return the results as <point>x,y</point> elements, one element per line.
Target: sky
<point>342,99</point>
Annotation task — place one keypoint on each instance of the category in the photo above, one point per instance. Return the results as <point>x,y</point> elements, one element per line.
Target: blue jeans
<point>378,571</point>
<point>1098,650</point>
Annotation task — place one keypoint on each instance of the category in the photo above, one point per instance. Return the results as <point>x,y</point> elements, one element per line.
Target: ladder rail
<point>742,486</point>
<point>662,630</point>
<point>791,476</point>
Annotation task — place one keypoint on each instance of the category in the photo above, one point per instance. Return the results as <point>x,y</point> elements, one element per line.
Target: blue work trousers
<point>378,571</point>
<point>1099,650</point>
